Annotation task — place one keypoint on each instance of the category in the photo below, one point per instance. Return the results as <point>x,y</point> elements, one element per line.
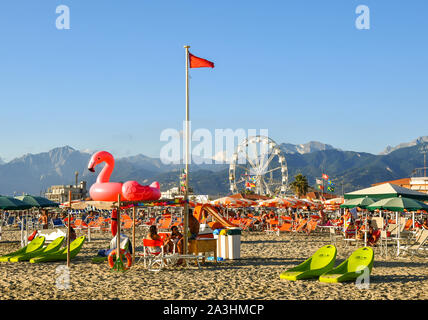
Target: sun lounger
<point>322,261</point>
<point>34,245</point>
<point>300,226</point>
<point>351,268</point>
<point>417,247</point>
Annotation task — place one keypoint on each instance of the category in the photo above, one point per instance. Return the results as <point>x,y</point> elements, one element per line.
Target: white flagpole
<point>186,195</point>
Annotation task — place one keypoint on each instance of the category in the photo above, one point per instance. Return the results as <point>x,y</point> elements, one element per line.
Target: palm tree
<point>300,185</point>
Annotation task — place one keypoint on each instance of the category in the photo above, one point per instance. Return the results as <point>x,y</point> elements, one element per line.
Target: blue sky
<point>301,69</point>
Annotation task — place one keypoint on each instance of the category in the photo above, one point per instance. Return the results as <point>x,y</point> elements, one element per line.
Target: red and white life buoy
<point>112,258</point>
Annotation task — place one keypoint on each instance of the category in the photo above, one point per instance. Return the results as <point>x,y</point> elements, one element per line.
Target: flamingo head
<point>99,157</point>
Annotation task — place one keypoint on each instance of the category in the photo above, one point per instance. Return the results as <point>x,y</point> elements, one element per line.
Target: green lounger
<point>322,261</point>
<point>34,245</point>
<point>351,268</point>
<point>51,247</point>
<point>61,254</point>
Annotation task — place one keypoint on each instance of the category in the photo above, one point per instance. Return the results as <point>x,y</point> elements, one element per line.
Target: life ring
<point>112,258</point>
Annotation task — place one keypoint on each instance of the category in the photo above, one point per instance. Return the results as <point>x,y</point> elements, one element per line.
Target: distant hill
<point>34,173</point>
<point>309,147</point>
<point>418,141</point>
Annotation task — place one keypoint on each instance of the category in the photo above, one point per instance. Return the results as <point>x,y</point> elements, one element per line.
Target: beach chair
<point>57,223</point>
<point>334,236</point>
<point>153,261</point>
<point>311,226</point>
<point>177,223</point>
<point>287,226</point>
<point>300,226</point>
<point>351,268</point>
<point>418,246</point>
<point>321,261</point>
<point>249,224</point>
<point>377,223</point>
<point>272,226</point>
<point>127,224</point>
<point>164,224</point>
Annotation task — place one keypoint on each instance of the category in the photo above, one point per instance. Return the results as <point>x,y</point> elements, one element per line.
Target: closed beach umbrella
<point>38,202</point>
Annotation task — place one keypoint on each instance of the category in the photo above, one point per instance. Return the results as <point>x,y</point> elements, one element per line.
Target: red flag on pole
<point>324,176</point>
<point>196,62</point>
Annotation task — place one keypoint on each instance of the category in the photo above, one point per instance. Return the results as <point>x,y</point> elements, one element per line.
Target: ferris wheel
<point>258,165</point>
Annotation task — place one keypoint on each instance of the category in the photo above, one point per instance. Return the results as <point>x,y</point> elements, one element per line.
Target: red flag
<point>196,62</point>
<point>324,176</point>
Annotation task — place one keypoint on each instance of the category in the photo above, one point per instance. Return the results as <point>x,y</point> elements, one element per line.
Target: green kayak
<point>51,247</point>
<point>34,245</point>
<point>61,254</point>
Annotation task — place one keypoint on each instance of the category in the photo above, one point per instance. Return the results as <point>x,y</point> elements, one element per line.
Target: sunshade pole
<point>22,229</point>
<point>68,229</point>
<point>118,230</point>
<point>26,228</point>
<point>133,234</point>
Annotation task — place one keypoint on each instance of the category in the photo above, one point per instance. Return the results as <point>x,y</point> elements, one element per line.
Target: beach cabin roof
<point>386,190</point>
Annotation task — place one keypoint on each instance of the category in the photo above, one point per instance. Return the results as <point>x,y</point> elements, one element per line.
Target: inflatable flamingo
<point>104,190</point>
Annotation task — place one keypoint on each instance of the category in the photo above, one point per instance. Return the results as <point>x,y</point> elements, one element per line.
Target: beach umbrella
<point>10,203</point>
<point>334,201</point>
<point>38,202</point>
<point>233,202</point>
<point>398,204</point>
<point>362,202</point>
<point>277,202</point>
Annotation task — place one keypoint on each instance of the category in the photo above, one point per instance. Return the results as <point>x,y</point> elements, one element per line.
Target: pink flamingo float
<point>104,190</point>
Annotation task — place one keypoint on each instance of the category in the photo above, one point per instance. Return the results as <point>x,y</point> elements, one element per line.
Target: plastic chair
<point>320,262</point>
<point>351,268</point>
<point>153,259</point>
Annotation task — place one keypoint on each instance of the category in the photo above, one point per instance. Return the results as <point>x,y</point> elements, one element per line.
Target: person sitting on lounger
<point>153,235</point>
<point>425,224</point>
<point>372,236</point>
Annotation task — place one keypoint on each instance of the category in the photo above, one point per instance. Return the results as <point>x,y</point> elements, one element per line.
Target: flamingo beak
<point>91,169</point>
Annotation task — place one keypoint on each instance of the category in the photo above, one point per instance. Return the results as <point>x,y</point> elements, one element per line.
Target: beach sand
<point>254,276</point>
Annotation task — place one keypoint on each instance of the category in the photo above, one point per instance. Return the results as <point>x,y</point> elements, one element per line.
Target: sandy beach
<point>254,276</point>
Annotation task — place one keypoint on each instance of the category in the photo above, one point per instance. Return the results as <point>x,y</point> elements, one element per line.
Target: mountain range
<point>34,173</point>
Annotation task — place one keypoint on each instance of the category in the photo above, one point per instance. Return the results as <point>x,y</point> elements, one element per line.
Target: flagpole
<point>186,195</point>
